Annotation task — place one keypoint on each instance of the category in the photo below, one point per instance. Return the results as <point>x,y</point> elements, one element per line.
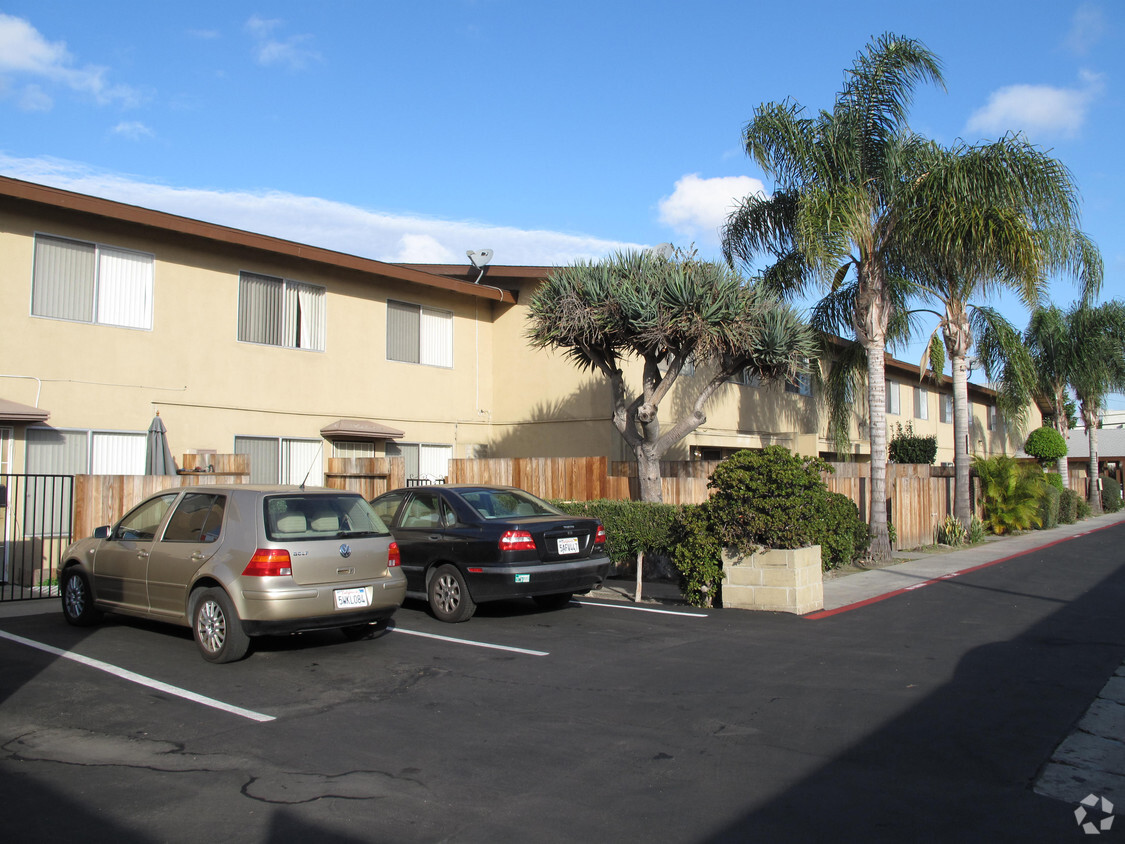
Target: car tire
<point>78,601</point>
<point>553,602</point>
<point>449,596</point>
<point>216,627</point>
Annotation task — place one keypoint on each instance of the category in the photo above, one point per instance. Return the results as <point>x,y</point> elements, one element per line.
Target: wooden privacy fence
<point>369,476</point>
<point>918,497</point>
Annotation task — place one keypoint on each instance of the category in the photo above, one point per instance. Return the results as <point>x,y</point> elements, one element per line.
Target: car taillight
<point>517,540</point>
<point>394,556</point>
<point>599,539</point>
<point>269,562</point>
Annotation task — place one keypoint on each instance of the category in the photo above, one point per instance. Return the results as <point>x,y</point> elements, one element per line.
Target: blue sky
<point>547,132</point>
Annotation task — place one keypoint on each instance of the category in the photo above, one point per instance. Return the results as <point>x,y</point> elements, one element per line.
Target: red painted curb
<point>816,616</point>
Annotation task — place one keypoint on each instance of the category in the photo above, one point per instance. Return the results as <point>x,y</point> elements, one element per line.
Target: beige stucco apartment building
<point>244,343</point>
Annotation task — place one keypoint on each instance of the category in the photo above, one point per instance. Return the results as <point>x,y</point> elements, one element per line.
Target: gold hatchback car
<point>234,562</point>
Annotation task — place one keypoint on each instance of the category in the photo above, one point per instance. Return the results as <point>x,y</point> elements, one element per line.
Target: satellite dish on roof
<point>481,258</point>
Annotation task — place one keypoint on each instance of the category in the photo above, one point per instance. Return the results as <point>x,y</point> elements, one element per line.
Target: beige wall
<point>209,387</point>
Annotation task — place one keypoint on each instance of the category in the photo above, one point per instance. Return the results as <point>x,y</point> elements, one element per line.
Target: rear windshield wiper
<point>348,534</point>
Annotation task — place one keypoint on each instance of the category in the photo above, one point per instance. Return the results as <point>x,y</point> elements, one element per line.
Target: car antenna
<point>309,472</point>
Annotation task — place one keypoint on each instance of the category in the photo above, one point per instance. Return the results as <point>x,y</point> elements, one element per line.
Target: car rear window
<point>508,503</point>
<point>300,516</point>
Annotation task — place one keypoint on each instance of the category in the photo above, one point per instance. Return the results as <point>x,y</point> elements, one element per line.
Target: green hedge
<point>1049,507</point>
<point>1068,507</point>
<point>631,527</point>
<point>697,555</point>
<point>1111,494</point>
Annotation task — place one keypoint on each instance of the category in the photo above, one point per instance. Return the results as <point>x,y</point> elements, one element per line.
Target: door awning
<point>360,429</point>
<point>13,411</point>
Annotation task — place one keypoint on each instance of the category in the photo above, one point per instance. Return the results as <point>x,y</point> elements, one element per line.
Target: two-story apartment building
<point>244,343</point>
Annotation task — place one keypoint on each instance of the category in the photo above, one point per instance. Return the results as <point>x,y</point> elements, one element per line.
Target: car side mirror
<point>101,532</point>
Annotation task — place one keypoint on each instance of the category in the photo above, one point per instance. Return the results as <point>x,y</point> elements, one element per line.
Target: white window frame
<point>430,462</point>
<point>305,467</point>
<point>947,409</point>
<point>801,385</point>
<point>434,346</point>
<point>302,321</point>
<point>921,403</point>
<point>120,292</point>
<point>893,406</point>
<point>108,452</point>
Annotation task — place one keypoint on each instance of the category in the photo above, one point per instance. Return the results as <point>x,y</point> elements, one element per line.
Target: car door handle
<point>142,554</point>
<point>434,536</point>
<point>199,556</point>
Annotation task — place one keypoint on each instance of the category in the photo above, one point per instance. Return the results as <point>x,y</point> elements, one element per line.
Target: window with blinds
<point>89,282</point>
<point>419,335</point>
<point>282,460</point>
<point>947,409</point>
<point>892,397</point>
<point>921,403</point>
<point>280,312</point>
<point>423,460</point>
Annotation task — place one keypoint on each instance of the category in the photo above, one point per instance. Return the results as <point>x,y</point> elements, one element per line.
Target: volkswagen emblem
<point>345,550</point>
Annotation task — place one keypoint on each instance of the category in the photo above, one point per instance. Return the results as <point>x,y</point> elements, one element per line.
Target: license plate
<point>523,578</point>
<point>349,598</point>
<point>568,546</point>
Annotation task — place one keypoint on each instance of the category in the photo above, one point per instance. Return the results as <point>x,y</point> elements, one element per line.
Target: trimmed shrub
<point>1045,444</point>
<point>908,447</point>
<point>1068,507</point>
<point>1111,494</point>
<point>697,555</point>
<point>1010,493</point>
<point>1083,510</point>
<point>844,537</point>
<point>1049,506</point>
<point>1054,479</point>
<point>631,527</point>
<point>769,497</point>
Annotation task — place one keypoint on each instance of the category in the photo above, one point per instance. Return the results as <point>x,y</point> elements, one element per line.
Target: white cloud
<point>1036,109</point>
<point>321,222</point>
<point>34,98</point>
<point>25,52</point>
<point>1086,28</point>
<point>699,207</point>
<point>134,130</point>
<point>269,50</point>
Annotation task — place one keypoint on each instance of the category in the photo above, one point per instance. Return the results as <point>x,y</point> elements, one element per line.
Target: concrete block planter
<point>774,579</point>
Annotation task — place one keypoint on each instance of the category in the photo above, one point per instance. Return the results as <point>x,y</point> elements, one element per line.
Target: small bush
<point>976,530</point>
<point>769,497</point>
<point>631,527</point>
<point>908,447</point>
<point>1111,494</point>
<point>1010,493</point>
<point>1054,479</point>
<point>1049,506</point>
<point>1068,507</point>
<point>1083,510</point>
<point>951,532</point>
<point>1045,444</point>
<point>843,537</point>
<point>697,555</point>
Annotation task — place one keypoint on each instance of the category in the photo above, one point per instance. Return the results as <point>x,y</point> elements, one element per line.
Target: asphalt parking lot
<point>923,717</point>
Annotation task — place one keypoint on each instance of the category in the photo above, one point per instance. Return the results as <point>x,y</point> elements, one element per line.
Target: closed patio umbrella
<point>158,455</point>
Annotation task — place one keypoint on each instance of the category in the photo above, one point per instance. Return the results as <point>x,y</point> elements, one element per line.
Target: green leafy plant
<point>769,497</point>
<point>976,530</point>
<point>1010,493</point>
<point>631,527</point>
<point>1111,494</point>
<point>908,447</point>
<point>1054,479</point>
<point>844,536</point>
<point>951,532</point>
<point>1068,507</point>
<point>697,555</point>
<point>1082,510</point>
<point>1045,444</point>
<point>1049,505</point>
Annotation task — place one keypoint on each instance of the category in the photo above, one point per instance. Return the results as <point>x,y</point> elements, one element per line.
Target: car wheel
<point>449,596</point>
<point>217,630</point>
<point>553,602</point>
<point>77,602</point>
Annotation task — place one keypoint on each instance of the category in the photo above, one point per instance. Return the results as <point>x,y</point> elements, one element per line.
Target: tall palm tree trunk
<point>1090,417</point>
<point>877,411</point>
<point>962,458</point>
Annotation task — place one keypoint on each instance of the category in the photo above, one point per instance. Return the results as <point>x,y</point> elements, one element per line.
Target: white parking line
<point>641,609</point>
<point>140,679</point>
<point>468,642</point>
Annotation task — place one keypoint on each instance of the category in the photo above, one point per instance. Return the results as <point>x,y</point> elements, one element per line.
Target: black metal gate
<point>35,525</point>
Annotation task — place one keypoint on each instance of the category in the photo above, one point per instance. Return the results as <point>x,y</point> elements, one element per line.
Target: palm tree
<point>1098,334</point>
<point>1048,341</point>
<point>849,174</point>
<point>1009,218</point>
